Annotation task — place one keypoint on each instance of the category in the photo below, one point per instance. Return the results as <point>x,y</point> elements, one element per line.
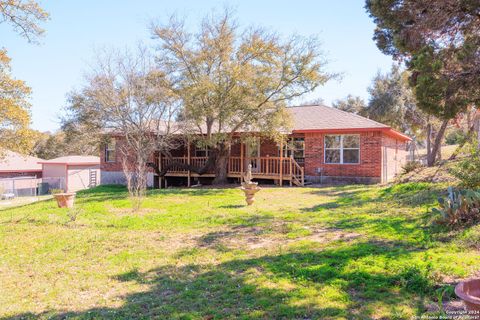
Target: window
<point>202,151</point>
<point>295,147</point>
<point>343,149</point>
<point>110,152</point>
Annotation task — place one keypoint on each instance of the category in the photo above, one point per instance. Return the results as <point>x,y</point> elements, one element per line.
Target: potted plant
<point>64,199</point>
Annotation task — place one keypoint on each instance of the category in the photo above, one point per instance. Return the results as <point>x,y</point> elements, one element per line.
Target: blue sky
<point>78,28</point>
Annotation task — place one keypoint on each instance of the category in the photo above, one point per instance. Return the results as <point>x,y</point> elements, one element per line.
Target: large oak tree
<point>231,80</point>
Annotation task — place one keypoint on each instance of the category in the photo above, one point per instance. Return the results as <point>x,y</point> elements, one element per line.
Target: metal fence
<point>29,186</point>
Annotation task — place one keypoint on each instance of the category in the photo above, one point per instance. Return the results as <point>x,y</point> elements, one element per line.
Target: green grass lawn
<point>352,252</point>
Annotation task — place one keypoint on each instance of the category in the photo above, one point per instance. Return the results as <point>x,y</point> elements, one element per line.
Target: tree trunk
<point>476,125</point>
<point>432,155</point>
<point>429,139</point>
<point>221,164</point>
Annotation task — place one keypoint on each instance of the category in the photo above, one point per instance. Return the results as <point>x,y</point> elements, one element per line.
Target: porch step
<point>297,182</point>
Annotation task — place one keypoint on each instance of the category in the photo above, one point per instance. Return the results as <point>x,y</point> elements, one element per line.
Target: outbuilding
<point>74,172</point>
<point>13,165</point>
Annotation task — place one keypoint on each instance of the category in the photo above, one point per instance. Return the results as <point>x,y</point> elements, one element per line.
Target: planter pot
<point>65,200</point>
<point>469,292</point>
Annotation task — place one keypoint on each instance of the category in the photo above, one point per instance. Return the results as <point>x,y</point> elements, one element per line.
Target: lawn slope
<point>352,252</point>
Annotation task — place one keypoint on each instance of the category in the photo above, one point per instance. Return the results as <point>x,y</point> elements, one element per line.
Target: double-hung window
<point>110,152</point>
<point>342,149</point>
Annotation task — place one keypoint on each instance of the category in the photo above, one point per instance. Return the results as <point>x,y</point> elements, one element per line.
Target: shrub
<point>73,213</point>
<point>55,191</point>
<point>459,208</point>
<point>467,170</point>
<point>411,166</point>
<point>456,136</point>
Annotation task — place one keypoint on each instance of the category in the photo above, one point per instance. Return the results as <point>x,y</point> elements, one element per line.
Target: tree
<point>127,95</point>
<point>62,143</point>
<point>24,16</point>
<point>351,104</point>
<point>14,94</point>
<point>230,81</point>
<point>439,40</point>
<point>14,110</point>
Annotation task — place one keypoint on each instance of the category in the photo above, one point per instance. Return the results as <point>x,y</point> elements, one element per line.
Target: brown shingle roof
<point>317,117</point>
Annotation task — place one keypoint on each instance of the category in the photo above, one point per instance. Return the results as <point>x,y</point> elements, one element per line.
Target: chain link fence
<point>28,186</point>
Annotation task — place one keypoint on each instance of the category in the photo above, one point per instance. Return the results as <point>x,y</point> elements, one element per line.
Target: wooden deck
<point>280,169</point>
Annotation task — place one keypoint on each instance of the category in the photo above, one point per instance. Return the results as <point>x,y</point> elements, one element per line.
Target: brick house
<point>325,145</point>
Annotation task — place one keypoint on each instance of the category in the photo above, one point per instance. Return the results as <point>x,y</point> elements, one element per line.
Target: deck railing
<point>262,167</point>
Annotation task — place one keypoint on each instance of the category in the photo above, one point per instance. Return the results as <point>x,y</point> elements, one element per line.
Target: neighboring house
<point>76,172</point>
<point>325,145</point>
<point>14,165</point>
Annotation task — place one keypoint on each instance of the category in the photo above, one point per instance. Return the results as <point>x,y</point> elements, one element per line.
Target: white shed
<point>73,173</point>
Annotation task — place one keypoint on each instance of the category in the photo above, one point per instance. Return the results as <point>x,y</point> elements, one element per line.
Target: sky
<point>77,29</point>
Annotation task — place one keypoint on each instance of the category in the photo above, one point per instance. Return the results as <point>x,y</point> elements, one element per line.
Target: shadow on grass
<point>408,195</point>
<point>321,285</point>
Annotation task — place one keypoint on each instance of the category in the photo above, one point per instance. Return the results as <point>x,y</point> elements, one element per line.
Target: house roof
<point>14,162</point>
<point>73,160</point>
<point>311,117</point>
<point>308,118</point>
<point>321,118</point>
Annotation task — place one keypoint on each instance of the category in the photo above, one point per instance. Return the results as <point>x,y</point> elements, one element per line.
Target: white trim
<point>341,149</point>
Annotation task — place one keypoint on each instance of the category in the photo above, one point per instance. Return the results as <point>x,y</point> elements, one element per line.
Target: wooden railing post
<point>291,169</point>
<point>189,174</point>
<point>160,179</point>
<point>241,160</point>
<point>303,176</point>
<point>281,164</point>
<point>267,171</point>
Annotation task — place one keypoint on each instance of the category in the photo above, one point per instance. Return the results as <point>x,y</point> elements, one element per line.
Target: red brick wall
<point>372,150</point>
<point>268,148</point>
<point>370,157</point>
<point>117,164</point>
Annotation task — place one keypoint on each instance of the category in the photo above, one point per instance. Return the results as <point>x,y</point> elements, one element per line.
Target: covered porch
<point>269,161</point>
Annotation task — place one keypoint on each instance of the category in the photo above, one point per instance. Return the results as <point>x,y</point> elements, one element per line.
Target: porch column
<point>160,179</point>
<point>189,163</point>
<point>241,159</point>
<point>281,164</point>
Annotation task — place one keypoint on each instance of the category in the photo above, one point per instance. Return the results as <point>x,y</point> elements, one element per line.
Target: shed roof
<point>15,162</point>
<point>73,160</point>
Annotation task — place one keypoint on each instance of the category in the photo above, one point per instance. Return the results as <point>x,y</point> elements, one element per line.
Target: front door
<point>253,153</point>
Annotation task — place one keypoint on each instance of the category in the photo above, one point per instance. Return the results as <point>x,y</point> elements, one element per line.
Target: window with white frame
<point>201,151</point>
<point>342,149</point>
<point>110,152</point>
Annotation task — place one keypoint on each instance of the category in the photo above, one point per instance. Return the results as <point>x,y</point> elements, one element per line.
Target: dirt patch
<point>448,306</point>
